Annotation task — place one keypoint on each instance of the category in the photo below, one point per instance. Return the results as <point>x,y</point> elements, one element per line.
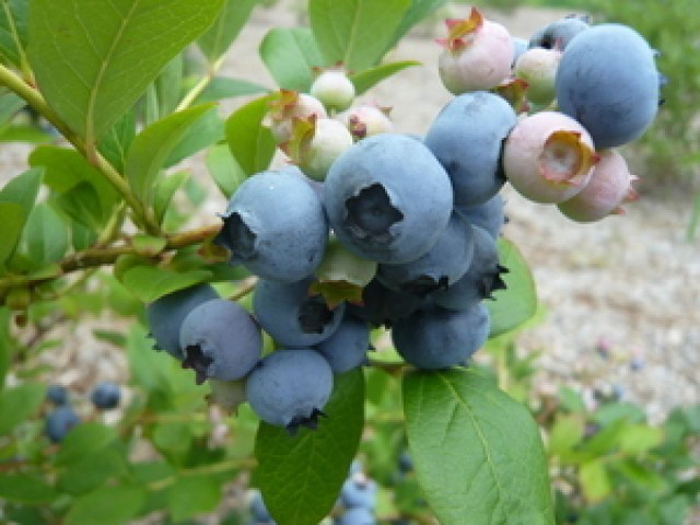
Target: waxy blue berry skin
<point>356,516</point>
<point>292,316</point>
<point>221,340</point>
<point>440,267</point>
<point>558,34</point>
<point>59,422</point>
<point>382,306</point>
<point>436,338</point>
<point>290,387</point>
<point>275,226</point>
<point>490,215</point>
<point>106,396</point>
<point>347,347</point>
<point>607,80</point>
<point>57,394</point>
<point>467,138</point>
<point>166,314</point>
<point>388,198</point>
<point>355,493</point>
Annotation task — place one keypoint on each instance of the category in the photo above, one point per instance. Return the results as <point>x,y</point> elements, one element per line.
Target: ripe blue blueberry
<point>388,198</point>
<point>558,34</point>
<point>482,278</point>
<point>608,81</point>
<point>57,394</point>
<point>290,387</point>
<point>292,316</point>
<point>490,215</point>
<point>106,396</point>
<point>220,340</point>
<point>275,226</point>
<point>359,491</point>
<point>436,338</point>
<point>440,267</point>
<point>382,306</point>
<point>347,347</point>
<point>259,511</point>
<point>166,314</point>
<point>467,138</point>
<point>59,422</point>
<point>356,516</point>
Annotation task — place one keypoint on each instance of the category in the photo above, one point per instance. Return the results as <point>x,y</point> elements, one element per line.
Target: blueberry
<point>520,45</point>
<point>382,306</point>
<point>220,340</point>
<point>290,387</point>
<point>557,35</point>
<point>259,511</point>
<point>347,347</point>
<point>59,422</point>
<point>356,516</point>
<point>57,394</point>
<point>275,226</point>
<point>440,267</point>
<point>292,316</point>
<point>359,493</point>
<point>106,396</point>
<point>467,138</point>
<point>435,338</point>
<point>490,215</point>
<point>482,278</point>
<point>608,81</point>
<point>388,198</point>
<point>166,314</point>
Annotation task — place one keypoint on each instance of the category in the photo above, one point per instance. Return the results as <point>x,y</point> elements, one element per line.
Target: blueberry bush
<point>250,338</point>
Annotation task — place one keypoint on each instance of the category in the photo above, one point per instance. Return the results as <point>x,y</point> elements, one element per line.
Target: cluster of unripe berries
<point>62,418</point>
<point>367,227</point>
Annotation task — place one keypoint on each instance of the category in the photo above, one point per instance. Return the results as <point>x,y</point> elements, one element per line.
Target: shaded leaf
<point>13,31</point>
<point>82,204</point>
<point>9,105</point>
<point>165,191</point>
<point>12,218</point>
<point>224,169</point>
<point>355,32</point>
<point>418,10</point>
<point>107,506</point>
<point>290,55</point>
<point>224,87</point>
<point>477,453</point>
<point>219,37</point>
<point>130,42</point>
<point>149,283</point>
<point>204,132</point>
<point>118,139</point>
<point>46,235</point>
<point>300,476</point>
<point>371,77</point>
<point>190,496</point>
<point>251,143</point>
<point>93,470</point>
<point>19,403</point>
<point>84,439</point>
<point>25,488</point>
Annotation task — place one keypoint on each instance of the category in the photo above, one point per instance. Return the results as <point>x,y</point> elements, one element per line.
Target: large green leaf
<point>13,31</point>
<point>16,203</point>
<point>84,439</point>
<point>300,476</point>
<point>149,283</point>
<point>9,105</point>
<point>251,143</point>
<point>355,32</point>
<point>203,133</point>
<point>224,169</point>
<point>224,31</point>
<point>93,469</point>
<point>151,148</point>
<point>290,55</point>
<point>518,302</point>
<point>193,495</point>
<point>19,403</point>
<point>477,453</point>
<point>25,488</point>
<point>108,506</point>
<point>46,237</point>
<point>168,86</point>
<point>116,142</point>
<point>12,218</point>
<point>93,60</point>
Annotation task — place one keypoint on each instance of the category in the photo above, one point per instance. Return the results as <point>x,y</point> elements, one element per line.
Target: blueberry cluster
<point>358,499</point>
<point>62,417</point>
<point>367,227</point>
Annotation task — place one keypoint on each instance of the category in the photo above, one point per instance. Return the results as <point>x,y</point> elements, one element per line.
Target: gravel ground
<point>627,285</point>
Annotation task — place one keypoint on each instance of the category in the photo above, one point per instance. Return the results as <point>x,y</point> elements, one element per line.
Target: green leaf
<point>25,488</point>
<point>371,77</point>
<point>151,148</point>
<point>23,189</point>
<point>149,283</point>
<point>122,45</point>
<point>25,133</point>
<point>566,432</point>
<point>219,37</point>
<point>290,55</point>
<point>477,453</point>
<point>107,506</point>
<point>9,105</point>
<point>46,235</point>
<point>165,191</point>
<point>639,438</point>
<point>116,142</point>
<point>418,10</point>
<point>204,132</point>
<point>168,86</point>
<point>84,439</point>
<point>13,31</point>
<point>300,476</point>
<point>190,496</point>
<point>82,204</point>
<point>595,481</point>
<point>224,169</point>
<point>18,404</point>
<point>93,470</point>
<point>224,87</point>
<point>251,143</point>
<point>12,218</point>
<point>518,302</point>
<point>356,32</point>
<point>148,245</point>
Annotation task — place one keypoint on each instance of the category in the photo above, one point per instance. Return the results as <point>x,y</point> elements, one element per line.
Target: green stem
<point>35,100</point>
<point>199,86</point>
<point>214,468</point>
